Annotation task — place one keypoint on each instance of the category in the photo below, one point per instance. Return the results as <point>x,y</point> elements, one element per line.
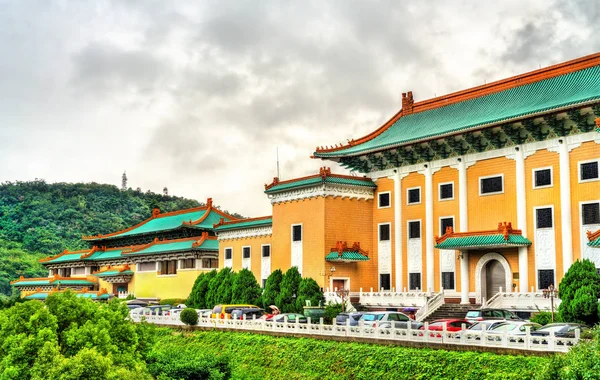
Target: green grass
<point>256,356</point>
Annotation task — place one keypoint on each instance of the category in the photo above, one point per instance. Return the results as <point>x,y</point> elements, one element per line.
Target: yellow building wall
<point>445,208</point>
<point>580,192</point>
<point>412,212</point>
<point>151,285</point>
<point>383,215</point>
<point>502,207</point>
<point>255,243</point>
<point>349,220</point>
<point>309,212</point>
<point>548,196</point>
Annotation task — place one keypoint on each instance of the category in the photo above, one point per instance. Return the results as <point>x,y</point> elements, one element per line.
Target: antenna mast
<point>277,162</point>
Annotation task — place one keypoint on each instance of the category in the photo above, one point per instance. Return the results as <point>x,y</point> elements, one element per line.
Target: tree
<point>308,290</point>
<point>197,297</point>
<point>272,289</point>
<point>286,301</point>
<point>224,292</point>
<point>246,289</point>
<point>219,288</point>
<point>578,292</point>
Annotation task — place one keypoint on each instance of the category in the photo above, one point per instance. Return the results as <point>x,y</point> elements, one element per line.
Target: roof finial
<point>407,103</point>
<point>155,212</point>
<point>209,202</point>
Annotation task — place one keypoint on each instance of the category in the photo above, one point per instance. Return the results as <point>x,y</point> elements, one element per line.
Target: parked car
<point>482,314</point>
<point>561,330</point>
<point>451,324</point>
<point>291,318</point>
<point>156,309</point>
<point>172,312</point>
<point>224,311</point>
<point>386,318</point>
<point>204,313</point>
<point>136,312</point>
<point>248,313</point>
<point>477,327</point>
<point>514,328</point>
<point>354,318</point>
<point>131,307</point>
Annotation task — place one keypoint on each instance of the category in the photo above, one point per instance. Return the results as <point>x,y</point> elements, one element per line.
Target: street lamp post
<point>551,293</point>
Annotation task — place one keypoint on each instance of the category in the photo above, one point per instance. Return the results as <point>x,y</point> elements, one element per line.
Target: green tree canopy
<point>578,292</point>
<point>219,288</point>
<point>289,291</point>
<point>308,290</point>
<point>246,289</point>
<point>197,298</point>
<point>272,289</point>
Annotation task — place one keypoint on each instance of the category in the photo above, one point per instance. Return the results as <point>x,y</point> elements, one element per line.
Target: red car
<point>451,325</point>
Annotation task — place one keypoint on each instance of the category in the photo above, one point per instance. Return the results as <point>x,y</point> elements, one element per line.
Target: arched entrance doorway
<point>491,273</point>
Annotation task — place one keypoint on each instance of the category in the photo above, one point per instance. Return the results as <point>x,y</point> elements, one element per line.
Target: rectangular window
<point>384,232</point>
<point>414,281</point>
<point>66,272</point>
<point>448,280</point>
<point>228,253</point>
<point>414,196</point>
<point>545,278</point>
<point>414,230</point>
<point>96,268</point>
<point>78,271</point>
<point>168,267</point>
<point>210,263</point>
<point>491,185</point>
<point>445,223</point>
<point>590,213</point>
<point>189,264</point>
<point>446,191</point>
<point>542,177</point>
<point>246,252</point>
<point>147,267</point>
<point>384,281</point>
<point>297,233</point>
<point>266,251</point>
<point>588,171</point>
<point>264,282</point>
<point>543,217</point>
<point>384,200</point>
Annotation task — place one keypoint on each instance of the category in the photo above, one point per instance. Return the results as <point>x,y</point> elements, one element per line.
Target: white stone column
<point>462,196</point>
<point>398,230</point>
<point>429,235</point>
<point>464,278</point>
<point>521,216</point>
<point>565,204</point>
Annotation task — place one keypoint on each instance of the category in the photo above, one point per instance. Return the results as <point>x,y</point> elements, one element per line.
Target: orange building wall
<point>255,243</point>
<point>383,215</point>
<point>412,212</point>
<point>580,192</point>
<point>310,213</point>
<point>502,207</point>
<point>349,220</point>
<point>445,208</point>
<point>549,196</point>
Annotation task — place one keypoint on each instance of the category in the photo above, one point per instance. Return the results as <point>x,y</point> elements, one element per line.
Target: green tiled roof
<point>595,242</point>
<point>482,241</point>
<point>66,258</point>
<point>53,282</point>
<point>25,282</point>
<point>43,296</point>
<point>317,179</point>
<point>106,255</point>
<point>246,224</point>
<point>115,272</point>
<point>346,256</point>
<point>74,282</point>
<point>545,95</point>
<point>209,245</point>
<point>166,247</point>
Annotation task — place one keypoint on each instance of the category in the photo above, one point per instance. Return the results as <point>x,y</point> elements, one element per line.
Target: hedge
<point>263,356</point>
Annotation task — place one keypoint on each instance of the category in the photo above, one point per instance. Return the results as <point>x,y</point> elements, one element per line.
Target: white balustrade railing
<point>433,303</point>
<point>122,295</point>
<point>500,339</point>
<point>526,301</point>
<point>387,298</point>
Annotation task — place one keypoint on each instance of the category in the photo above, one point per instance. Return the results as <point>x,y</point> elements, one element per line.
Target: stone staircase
<point>451,310</point>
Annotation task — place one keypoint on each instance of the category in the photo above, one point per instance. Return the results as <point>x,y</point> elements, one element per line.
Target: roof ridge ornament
<point>597,120</point>
<point>155,212</point>
<point>407,103</point>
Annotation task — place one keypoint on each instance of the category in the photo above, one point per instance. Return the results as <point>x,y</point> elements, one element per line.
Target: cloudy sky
<point>199,98</point>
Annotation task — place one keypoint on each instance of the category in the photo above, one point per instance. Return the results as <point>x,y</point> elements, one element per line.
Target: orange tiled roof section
<point>410,107</point>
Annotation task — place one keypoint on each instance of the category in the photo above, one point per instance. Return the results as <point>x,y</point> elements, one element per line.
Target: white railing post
<point>463,333</point>
<point>527,337</point>
<point>426,332</point>
<point>551,341</point>
<point>347,330</point>
<point>483,341</point>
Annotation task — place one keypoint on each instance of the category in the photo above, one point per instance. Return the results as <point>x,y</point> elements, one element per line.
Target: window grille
<point>414,196</point>
<point>589,170</point>
<point>543,177</point>
<point>414,281</point>
<point>543,217</point>
<point>447,191</point>
<point>591,213</point>
<point>491,185</point>
<point>414,230</point>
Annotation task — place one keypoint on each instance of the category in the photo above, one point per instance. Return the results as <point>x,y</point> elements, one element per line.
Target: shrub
<point>219,288</point>
<point>245,288</point>
<point>289,288</point>
<point>130,297</point>
<point>189,316</point>
<point>545,317</point>
<point>172,301</point>
<point>308,290</point>
<point>579,291</point>
<point>272,289</point>
<point>197,298</point>
<point>331,311</point>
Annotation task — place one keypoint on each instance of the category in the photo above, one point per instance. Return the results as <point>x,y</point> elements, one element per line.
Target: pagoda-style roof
<point>594,239</point>
<point>263,221</point>
<point>347,254</point>
<point>541,92</point>
<point>203,217</point>
<point>114,271</point>
<point>54,281</point>
<point>204,243</point>
<point>102,294</point>
<point>502,237</point>
<point>324,176</point>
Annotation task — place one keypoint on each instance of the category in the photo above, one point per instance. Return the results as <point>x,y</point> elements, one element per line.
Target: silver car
<point>386,318</point>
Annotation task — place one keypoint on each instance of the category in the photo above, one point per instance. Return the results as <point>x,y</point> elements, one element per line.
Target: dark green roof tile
<point>482,241</point>
<point>346,256</point>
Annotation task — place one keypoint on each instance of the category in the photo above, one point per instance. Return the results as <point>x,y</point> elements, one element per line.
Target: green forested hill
<point>40,219</point>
